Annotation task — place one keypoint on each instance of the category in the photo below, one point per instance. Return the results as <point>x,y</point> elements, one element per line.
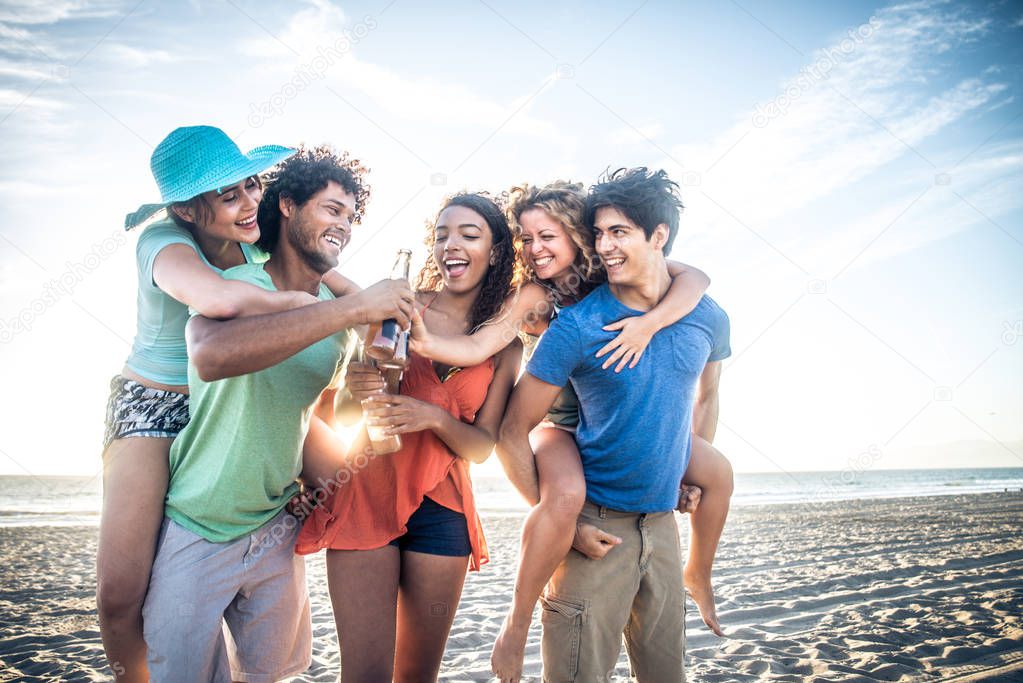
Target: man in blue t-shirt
<point>634,438</point>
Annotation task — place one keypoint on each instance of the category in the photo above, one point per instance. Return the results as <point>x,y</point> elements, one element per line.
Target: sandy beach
<point>892,590</point>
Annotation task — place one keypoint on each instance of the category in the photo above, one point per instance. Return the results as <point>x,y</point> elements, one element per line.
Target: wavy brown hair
<point>565,202</point>
<point>501,277</point>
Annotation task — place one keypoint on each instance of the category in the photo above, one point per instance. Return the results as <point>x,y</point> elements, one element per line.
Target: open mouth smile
<point>543,262</point>
<point>247,223</point>
<point>336,239</point>
<point>456,267</point>
<point>613,264</point>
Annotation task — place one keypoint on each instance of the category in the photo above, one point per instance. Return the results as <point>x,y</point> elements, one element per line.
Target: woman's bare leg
<point>135,472</point>
<point>711,471</point>
<point>546,538</point>
<point>431,586</point>
<point>364,593</point>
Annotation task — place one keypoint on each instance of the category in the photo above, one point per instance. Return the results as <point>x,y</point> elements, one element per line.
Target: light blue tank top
<point>159,353</point>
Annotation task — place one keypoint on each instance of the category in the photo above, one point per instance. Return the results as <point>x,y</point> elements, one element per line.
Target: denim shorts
<point>134,409</point>
<point>436,530</point>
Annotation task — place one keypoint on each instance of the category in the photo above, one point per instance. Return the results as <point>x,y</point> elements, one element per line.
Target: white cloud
<point>630,135</point>
<point>23,71</point>
<point>990,181</point>
<point>431,100</point>
<point>320,24</point>
<point>136,58</point>
<point>34,12</point>
<point>20,42</point>
<point>858,108</point>
<point>326,42</point>
<point>13,98</point>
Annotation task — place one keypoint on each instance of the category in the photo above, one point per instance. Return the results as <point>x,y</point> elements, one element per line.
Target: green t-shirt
<point>233,467</point>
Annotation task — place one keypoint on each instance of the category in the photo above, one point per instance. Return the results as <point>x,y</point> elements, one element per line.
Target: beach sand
<point>890,590</point>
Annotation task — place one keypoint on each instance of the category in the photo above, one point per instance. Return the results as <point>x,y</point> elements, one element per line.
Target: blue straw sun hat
<point>196,159</point>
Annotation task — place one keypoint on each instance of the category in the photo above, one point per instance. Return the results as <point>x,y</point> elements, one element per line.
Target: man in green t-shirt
<point>226,549</point>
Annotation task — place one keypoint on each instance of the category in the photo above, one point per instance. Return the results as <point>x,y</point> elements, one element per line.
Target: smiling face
<point>629,258</point>
<point>462,248</point>
<point>319,229</point>
<point>546,246</point>
<point>228,214</point>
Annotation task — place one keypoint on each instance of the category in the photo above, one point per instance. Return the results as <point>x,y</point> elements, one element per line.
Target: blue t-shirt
<point>635,426</point>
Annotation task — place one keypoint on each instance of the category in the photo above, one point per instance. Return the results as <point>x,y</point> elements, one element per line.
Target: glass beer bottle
<point>387,341</point>
<point>380,443</point>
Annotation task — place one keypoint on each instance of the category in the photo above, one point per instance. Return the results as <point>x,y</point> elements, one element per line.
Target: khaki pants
<point>636,589</point>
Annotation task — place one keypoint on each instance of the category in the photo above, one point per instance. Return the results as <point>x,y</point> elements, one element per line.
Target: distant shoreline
<point>90,518</point>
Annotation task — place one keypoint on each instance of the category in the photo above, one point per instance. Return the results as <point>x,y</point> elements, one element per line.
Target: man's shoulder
<point>249,272</point>
<point>711,319</point>
<point>710,308</point>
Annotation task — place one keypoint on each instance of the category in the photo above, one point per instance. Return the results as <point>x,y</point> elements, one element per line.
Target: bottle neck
<point>402,265</point>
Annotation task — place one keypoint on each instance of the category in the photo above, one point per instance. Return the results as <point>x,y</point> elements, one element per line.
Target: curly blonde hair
<point>565,202</point>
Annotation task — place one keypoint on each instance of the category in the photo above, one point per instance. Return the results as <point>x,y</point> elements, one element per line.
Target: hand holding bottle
<point>363,380</point>
<point>387,299</point>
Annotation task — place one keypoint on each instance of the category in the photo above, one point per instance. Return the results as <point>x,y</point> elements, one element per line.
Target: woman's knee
<point>562,484</point>
<point>709,469</point>
<point>726,475</point>
<point>564,496</point>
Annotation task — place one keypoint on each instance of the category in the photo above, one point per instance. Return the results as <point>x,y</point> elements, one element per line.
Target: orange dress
<point>373,502</point>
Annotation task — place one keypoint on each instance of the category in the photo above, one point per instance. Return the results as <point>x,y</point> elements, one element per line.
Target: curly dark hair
<point>501,277</point>
<point>647,198</point>
<point>301,176</point>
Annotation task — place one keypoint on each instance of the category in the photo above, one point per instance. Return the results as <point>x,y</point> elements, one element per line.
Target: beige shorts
<point>235,611</point>
<point>635,590</point>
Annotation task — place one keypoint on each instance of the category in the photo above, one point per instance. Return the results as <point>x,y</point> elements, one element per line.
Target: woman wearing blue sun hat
<point>205,224</point>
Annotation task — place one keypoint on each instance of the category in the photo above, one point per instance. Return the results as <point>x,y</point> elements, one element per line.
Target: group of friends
<point>223,466</point>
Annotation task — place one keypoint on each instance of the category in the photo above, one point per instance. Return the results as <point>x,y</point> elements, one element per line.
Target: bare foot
<point>509,651</point>
<point>702,593</point>
<point>689,498</point>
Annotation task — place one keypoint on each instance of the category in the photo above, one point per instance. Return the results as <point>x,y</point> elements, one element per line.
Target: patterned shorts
<point>136,410</point>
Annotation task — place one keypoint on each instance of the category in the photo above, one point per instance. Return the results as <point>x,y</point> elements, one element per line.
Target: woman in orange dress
<point>401,529</point>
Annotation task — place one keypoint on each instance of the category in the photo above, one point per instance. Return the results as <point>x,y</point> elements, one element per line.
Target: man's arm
<point>705,409</point>
<point>529,402</point>
<point>229,348</point>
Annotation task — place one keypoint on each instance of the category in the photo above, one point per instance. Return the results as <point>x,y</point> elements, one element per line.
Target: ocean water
<point>47,501</point>
<point>771,488</point>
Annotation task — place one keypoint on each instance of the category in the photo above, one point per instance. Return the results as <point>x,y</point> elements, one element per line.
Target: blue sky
<point>852,174</point>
